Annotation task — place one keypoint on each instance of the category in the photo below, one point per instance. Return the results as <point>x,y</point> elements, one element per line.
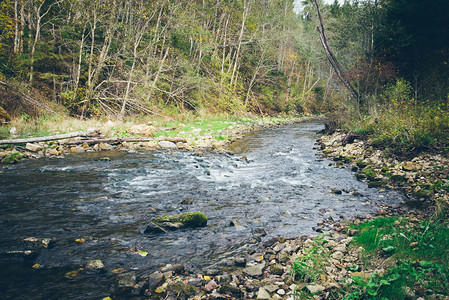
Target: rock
<point>337,255</point>
<point>410,166</point>
<point>95,265</point>
<point>186,201</point>
<point>154,280</point>
<point>39,243</point>
<point>314,289</point>
<point>231,290</point>
<point>377,184</point>
<point>240,262</point>
<point>423,193</point>
<point>142,129</point>
<point>277,269</point>
<point>210,286</point>
<point>166,223</point>
<point>34,147</point>
<point>281,292</point>
<point>278,248</point>
<point>139,288</point>
<point>127,280</point>
<point>255,270</point>
<point>398,178</point>
<point>167,145</point>
<point>180,290</point>
<point>271,288</point>
<point>176,269</point>
<point>263,294</point>
<point>237,225</point>
<point>105,146</point>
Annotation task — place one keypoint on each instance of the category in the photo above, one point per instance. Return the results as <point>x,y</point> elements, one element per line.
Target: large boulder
<point>166,223</point>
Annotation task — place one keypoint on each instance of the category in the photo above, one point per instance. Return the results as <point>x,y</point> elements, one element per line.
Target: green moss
<point>398,178</point>
<point>184,220</point>
<point>15,157</point>
<point>376,184</point>
<point>181,289</point>
<point>423,193</point>
<point>231,290</point>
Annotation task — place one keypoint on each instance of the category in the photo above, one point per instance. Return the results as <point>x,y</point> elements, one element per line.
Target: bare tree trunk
<point>17,30</point>
<point>236,61</point>
<point>78,67</point>
<point>156,77</point>
<point>39,18</point>
<point>36,38</point>
<point>332,59</point>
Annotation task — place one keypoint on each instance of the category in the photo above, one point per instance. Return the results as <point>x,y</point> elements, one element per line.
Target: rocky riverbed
<point>424,178</point>
<point>274,271</point>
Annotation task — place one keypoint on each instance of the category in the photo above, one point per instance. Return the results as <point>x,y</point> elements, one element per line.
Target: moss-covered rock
<point>423,193</point>
<point>398,178</point>
<point>231,291</point>
<point>179,221</point>
<point>376,184</point>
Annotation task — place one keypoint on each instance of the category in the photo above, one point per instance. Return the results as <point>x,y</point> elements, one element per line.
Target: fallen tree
<point>46,138</point>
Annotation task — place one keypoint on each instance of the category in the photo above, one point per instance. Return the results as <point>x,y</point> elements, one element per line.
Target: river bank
<point>202,135</point>
<point>423,178</point>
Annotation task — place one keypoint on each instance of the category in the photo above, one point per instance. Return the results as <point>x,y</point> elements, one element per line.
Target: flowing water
<point>283,187</point>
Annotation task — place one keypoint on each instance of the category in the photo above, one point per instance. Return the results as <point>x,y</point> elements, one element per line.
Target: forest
<point>123,58</point>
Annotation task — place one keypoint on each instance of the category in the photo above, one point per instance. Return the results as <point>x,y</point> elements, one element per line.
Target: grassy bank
<point>401,258</point>
<point>212,133</point>
<point>406,127</point>
<point>25,126</point>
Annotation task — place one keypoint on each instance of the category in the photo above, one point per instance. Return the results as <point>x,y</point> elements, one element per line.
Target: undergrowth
<point>414,254</point>
<point>400,122</point>
<point>418,250</point>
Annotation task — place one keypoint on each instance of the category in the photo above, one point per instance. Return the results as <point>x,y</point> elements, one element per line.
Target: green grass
<point>405,126</point>
<point>418,250</point>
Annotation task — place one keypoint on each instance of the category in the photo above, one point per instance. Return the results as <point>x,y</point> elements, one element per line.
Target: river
<point>96,208</point>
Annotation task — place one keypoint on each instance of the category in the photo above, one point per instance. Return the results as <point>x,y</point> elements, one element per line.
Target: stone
<point>105,146</point>
<point>255,270</point>
<point>228,289</point>
<point>154,280</point>
<point>271,288</point>
<point>167,145</point>
<point>139,288</point>
<point>281,292</point>
<point>166,223</point>
<point>95,265</point>
<point>127,280</point>
<point>410,166</point>
<point>277,269</point>
<point>33,147</point>
<point>341,248</point>
<point>142,129</point>
<point>278,248</point>
<point>314,289</point>
<point>39,242</point>
<point>240,261</point>
<point>238,226</point>
<point>210,286</point>
<point>263,294</point>
<point>176,269</point>
<point>337,255</point>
